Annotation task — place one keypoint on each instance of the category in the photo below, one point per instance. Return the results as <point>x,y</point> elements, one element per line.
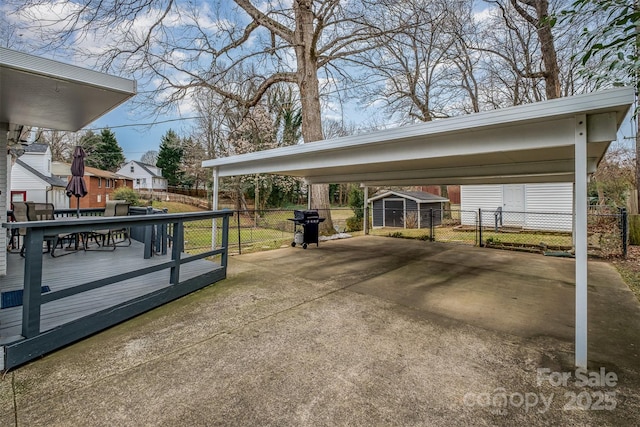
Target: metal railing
<point>33,299</point>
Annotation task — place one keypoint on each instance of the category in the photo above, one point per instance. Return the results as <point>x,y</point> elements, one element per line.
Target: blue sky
<point>133,135</point>
<point>136,134</point>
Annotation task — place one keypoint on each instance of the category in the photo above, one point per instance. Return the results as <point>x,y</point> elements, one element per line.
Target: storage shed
<point>406,209</point>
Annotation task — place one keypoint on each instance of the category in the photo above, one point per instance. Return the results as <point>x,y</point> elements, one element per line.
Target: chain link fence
<point>539,232</point>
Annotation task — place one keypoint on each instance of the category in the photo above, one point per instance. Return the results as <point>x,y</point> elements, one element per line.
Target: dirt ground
<point>629,269</point>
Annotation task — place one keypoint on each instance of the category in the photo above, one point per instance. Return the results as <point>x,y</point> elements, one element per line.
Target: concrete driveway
<point>362,331</point>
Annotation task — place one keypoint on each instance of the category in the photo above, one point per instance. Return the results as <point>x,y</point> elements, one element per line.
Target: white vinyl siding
<point>555,200</point>
<point>4,179</point>
<point>474,197</point>
<point>552,197</point>
<point>142,179</point>
<point>38,161</point>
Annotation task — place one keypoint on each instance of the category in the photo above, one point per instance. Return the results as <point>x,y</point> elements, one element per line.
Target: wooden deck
<point>82,267</point>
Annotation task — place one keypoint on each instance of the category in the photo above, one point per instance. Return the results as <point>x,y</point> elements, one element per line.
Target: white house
<point>31,178</point>
<point>145,177</point>
<point>541,206</point>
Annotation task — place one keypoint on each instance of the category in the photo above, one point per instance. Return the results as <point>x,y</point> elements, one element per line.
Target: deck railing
<point>33,299</point>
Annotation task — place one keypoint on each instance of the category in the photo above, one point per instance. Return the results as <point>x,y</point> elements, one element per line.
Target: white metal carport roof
<point>528,143</point>
<point>560,140</point>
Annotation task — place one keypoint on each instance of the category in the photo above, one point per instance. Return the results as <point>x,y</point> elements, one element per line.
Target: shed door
<point>394,213</point>
<point>513,205</point>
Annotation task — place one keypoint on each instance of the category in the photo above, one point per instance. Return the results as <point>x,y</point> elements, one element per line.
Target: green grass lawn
<point>449,234</point>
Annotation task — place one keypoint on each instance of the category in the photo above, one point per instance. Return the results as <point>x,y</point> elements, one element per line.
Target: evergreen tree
<point>103,151</point>
<point>90,142</point>
<point>170,158</point>
<point>111,155</point>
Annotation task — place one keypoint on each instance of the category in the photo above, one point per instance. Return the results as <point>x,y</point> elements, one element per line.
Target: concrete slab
<point>363,331</point>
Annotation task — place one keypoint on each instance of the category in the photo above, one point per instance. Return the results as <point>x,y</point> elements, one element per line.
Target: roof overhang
<point>435,199</point>
<point>528,143</point>
<point>41,92</point>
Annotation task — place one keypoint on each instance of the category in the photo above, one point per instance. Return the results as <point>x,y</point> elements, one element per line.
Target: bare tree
<point>60,143</point>
<point>193,44</point>
<point>412,67</point>
<point>527,48</point>
<point>194,174</point>
<point>150,157</point>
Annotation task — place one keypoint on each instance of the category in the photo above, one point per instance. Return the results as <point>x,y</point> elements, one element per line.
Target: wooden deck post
<point>32,282</point>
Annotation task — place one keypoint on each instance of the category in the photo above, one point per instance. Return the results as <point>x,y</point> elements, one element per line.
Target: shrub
<point>634,229</point>
<point>354,223</point>
<point>126,193</point>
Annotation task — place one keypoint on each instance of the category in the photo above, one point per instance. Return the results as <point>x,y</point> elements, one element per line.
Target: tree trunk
<point>307,74</point>
<point>548,50</point>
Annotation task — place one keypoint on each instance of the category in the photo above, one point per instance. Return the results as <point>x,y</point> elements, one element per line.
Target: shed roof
<point>417,196</point>
<point>527,143</point>
<point>36,147</point>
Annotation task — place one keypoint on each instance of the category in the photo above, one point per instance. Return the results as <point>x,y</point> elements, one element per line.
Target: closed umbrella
<point>76,186</point>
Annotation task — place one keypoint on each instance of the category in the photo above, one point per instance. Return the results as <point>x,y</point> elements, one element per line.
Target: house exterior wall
<point>39,161</point>
<point>5,164</point>
<point>474,197</point>
<point>36,189</point>
<point>555,200</point>
<point>142,179</point>
<point>98,191</point>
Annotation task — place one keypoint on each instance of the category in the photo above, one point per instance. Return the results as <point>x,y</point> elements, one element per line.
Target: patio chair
<point>38,212</point>
<point>107,237</point>
<point>19,215</point>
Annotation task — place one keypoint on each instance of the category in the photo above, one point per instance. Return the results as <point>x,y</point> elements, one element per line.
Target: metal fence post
<point>239,235</point>
<point>624,230</point>
<point>479,234</point>
<point>432,230</point>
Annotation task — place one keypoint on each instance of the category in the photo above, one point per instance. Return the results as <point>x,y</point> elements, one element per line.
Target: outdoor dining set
<point>103,239</point>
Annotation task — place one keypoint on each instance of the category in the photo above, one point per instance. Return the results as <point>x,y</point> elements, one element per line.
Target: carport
<point>560,140</point>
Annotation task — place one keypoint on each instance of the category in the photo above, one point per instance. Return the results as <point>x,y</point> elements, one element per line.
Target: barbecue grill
<point>306,227</point>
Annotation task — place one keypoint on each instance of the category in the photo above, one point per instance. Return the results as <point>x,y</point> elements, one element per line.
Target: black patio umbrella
<point>76,186</point>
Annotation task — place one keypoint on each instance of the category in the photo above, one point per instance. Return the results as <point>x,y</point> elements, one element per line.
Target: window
<point>99,198</point>
<point>138,181</point>
<point>132,169</point>
<point>99,182</point>
<point>108,183</point>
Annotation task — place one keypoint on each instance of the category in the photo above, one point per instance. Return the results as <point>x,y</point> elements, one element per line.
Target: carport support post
<point>581,239</point>
<point>214,206</point>
<point>365,220</point>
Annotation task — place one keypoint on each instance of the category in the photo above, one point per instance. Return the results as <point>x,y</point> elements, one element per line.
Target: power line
<point>157,122</point>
